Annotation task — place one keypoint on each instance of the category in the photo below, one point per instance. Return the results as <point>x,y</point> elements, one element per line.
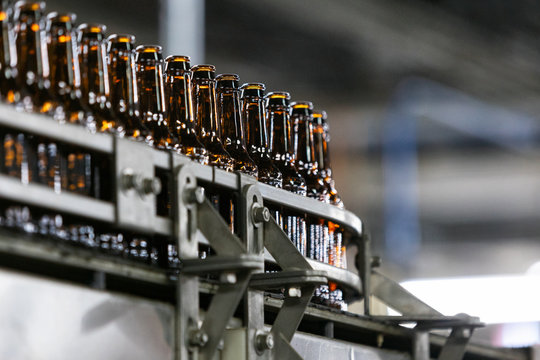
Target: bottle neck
<point>304,144</point>
<point>255,124</point>
<point>280,124</point>
<point>124,96</point>
<point>94,70</point>
<point>151,88</point>
<point>228,100</point>
<point>63,58</point>
<point>32,59</point>
<point>204,94</point>
<point>7,48</point>
<point>320,148</point>
<point>179,101</point>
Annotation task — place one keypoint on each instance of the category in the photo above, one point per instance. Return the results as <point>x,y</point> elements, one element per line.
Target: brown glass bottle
<point>322,157</point>
<point>180,117</point>
<point>95,77</point>
<point>254,120</point>
<point>204,100</point>
<point>232,132</point>
<point>302,121</point>
<point>33,60</point>
<point>123,83</point>
<point>281,145</point>
<point>65,75</point>
<point>149,65</point>
<point>9,89</point>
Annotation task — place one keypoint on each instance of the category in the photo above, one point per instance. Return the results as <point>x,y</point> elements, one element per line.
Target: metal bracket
<point>297,276</point>
<point>232,262</point>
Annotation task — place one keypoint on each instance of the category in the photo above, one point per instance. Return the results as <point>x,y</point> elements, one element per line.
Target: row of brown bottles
<point>109,85</point>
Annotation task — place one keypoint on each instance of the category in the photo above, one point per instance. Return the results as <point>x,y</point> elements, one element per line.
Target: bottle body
<point>208,129</point>
<point>254,120</point>
<point>33,61</point>
<point>151,90</point>
<point>94,71</point>
<point>65,76</point>
<point>281,145</point>
<point>232,132</point>
<point>302,122</point>
<point>180,116</point>
<point>123,87</point>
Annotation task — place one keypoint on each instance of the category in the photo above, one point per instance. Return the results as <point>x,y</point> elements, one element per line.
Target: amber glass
<point>32,59</point>
<point>232,132</point>
<point>180,117</point>
<point>322,157</point>
<point>9,89</point>
<point>65,75</point>
<point>204,100</point>
<point>95,77</point>
<point>280,144</point>
<point>149,65</point>
<point>254,120</point>
<point>123,83</point>
<point>302,120</point>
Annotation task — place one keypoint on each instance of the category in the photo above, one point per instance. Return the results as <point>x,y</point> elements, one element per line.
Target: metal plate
<point>132,209</point>
<point>44,319</point>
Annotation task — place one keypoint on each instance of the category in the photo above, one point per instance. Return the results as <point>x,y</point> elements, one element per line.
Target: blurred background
<point>434,115</point>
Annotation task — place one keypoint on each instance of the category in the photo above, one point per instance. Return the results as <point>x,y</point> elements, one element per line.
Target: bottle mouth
<point>203,68</point>
<point>88,28</point>
<point>319,117</point>
<point>178,58</point>
<point>203,71</point>
<point>253,86</point>
<point>227,81</point>
<point>121,38</point>
<point>302,105</point>
<point>279,95</point>
<point>30,5</point>
<point>149,49</point>
<point>61,18</point>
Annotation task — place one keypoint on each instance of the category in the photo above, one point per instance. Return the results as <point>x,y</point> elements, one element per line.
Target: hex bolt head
<point>194,196</point>
<point>264,342</point>
<point>128,179</point>
<point>151,186</point>
<point>294,292</point>
<point>228,278</point>
<point>261,214</point>
<point>198,338</point>
<point>376,261</point>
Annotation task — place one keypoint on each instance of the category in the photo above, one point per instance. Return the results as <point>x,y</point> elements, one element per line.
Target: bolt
<point>228,278</point>
<point>128,179</point>
<point>194,196</point>
<point>261,214</point>
<point>198,338</point>
<point>294,292</point>
<point>151,186</point>
<point>264,342</point>
<point>376,261</point>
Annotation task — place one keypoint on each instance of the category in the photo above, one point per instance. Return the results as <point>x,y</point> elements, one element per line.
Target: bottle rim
<point>320,114</point>
<point>178,58</point>
<point>253,86</point>
<point>203,67</point>
<point>302,105</point>
<point>121,38</point>
<point>93,28</point>
<point>227,77</point>
<point>30,5</point>
<point>278,95</point>
<point>149,49</point>
<point>56,17</point>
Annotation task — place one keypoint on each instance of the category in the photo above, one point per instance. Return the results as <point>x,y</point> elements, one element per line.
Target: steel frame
<point>239,262</point>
